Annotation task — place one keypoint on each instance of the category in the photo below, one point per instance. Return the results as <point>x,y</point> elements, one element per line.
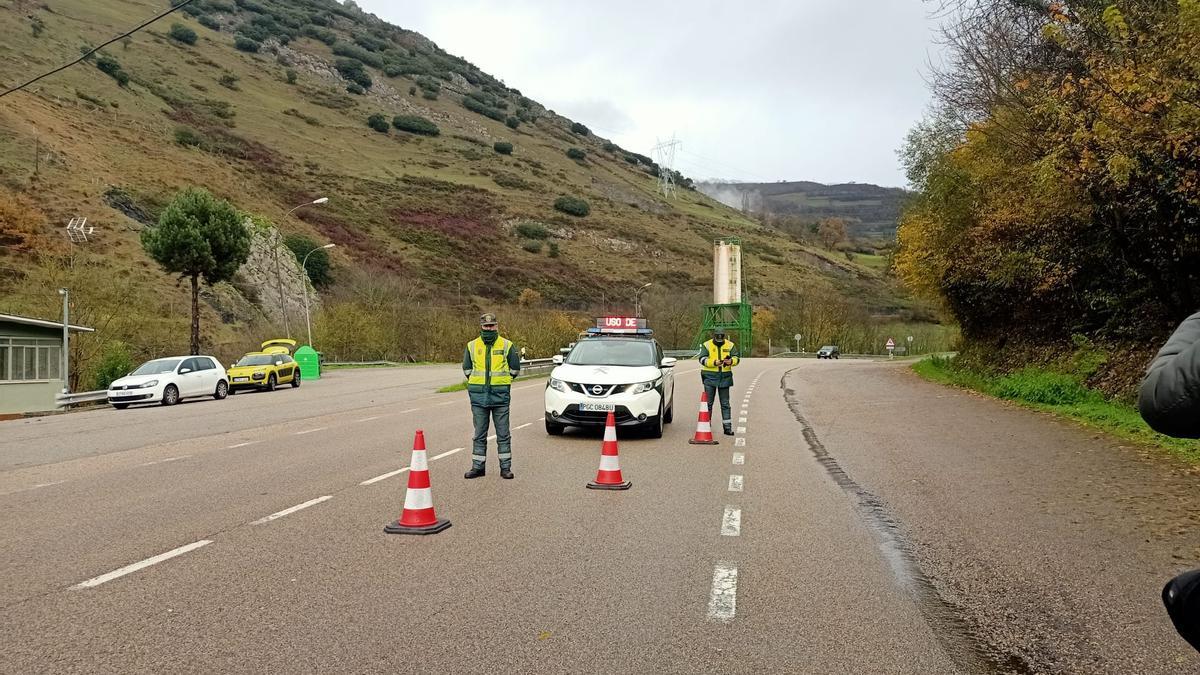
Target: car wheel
<point>554,429</point>
<point>669,416</point>
<point>170,395</point>
<point>296,379</point>
<point>654,426</point>
<point>120,406</point>
<point>270,386</point>
<point>222,390</point>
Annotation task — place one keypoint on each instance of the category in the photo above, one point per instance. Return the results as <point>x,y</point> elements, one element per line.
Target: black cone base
<point>396,528</point>
<point>605,486</point>
<point>696,442</point>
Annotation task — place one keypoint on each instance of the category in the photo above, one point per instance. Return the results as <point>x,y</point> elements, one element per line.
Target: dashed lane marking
<point>368,419</point>
<point>130,569</point>
<point>164,461</point>
<point>739,442</point>
<point>741,430</point>
<point>741,420</point>
<point>385,476</point>
<point>286,512</point>
<point>242,445</point>
<point>408,411</point>
<point>722,599</point>
<point>735,483</point>
<point>739,458</point>
<point>446,453</point>
<point>731,522</point>
<point>527,424</point>
<point>309,431</point>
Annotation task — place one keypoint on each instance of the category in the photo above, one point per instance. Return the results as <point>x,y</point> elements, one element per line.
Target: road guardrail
<point>66,400</point>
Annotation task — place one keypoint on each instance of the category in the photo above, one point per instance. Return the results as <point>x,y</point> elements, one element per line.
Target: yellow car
<point>266,369</point>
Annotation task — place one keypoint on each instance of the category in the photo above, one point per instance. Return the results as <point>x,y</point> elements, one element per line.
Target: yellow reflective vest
<point>712,362</point>
<point>490,366</point>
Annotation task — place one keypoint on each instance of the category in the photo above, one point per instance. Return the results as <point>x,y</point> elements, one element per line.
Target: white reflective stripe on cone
<point>610,463</point>
<point>418,498</point>
<point>418,461</point>
<point>703,426</point>
<point>703,406</point>
<point>610,433</point>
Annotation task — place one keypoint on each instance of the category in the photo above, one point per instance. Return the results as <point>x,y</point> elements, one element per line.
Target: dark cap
<point>488,320</point>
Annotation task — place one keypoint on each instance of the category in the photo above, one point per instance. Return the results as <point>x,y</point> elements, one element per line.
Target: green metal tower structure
<point>736,318</point>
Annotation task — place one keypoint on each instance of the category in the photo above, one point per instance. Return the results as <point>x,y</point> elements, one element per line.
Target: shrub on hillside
<point>631,159</point>
<point>512,122</point>
<point>321,34</point>
<point>111,67</point>
<point>245,44</point>
<point>354,71</point>
<point>579,128</point>
<point>531,230</point>
<point>573,206</point>
<point>370,42</point>
<point>415,124</point>
<point>116,362</point>
<point>503,147</point>
<point>291,75</point>
<point>576,154</point>
<point>553,252</point>
<point>475,105</point>
<point>229,81</point>
<point>412,91</point>
<point>532,246</point>
<point>209,22</point>
<point>355,89</point>
<point>353,51</point>
<point>317,266</point>
<point>378,122</point>
<point>181,33</point>
<point>609,146</point>
<point>429,95</point>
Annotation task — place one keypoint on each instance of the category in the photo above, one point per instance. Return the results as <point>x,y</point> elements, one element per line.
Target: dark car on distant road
<point>829,352</point>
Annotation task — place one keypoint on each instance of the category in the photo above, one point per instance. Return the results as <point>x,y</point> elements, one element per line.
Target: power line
<point>96,49</point>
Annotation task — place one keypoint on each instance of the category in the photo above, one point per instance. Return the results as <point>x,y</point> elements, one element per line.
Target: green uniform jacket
<point>723,377</point>
<point>489,395</point>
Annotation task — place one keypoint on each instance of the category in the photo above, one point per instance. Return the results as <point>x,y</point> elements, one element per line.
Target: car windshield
<point>828,348</point>
<point>157,367</point>
<point>605,352</point>
<point>256,360</point>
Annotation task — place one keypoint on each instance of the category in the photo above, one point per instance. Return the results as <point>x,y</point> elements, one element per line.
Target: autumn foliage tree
<point>1058,180</point>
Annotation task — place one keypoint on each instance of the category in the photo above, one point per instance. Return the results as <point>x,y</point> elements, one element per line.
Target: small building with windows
<point>31,367</point>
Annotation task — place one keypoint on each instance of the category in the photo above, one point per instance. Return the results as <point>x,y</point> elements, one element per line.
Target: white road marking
<point>741,420</point>
<point>739,458</point>
<point>242,445</point>
<point>42,485</point>
<point>731,522</point>
<point>448,402</point>
<point>541,419</point>
<point>722,599</point>
<point>527,424</point>
<point>741,430</point>
<point>492,437</point>
<point>164,461</point>
<point>408,411</point>
<point>739,442</point>
<point>309,431</point>
<point>289,511</point>
<point>368,419</point>
<point>130,569</point>
<point>735,483</point>
<point>385,476</point>
<point>446,453</point>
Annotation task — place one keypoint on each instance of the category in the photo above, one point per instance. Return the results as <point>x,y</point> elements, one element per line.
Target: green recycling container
<point>310,363</point>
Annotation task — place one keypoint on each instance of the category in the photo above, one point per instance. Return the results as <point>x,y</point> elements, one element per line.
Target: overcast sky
<point>758,90</point>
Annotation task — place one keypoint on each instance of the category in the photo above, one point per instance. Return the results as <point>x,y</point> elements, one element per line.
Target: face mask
<point>489,336</point>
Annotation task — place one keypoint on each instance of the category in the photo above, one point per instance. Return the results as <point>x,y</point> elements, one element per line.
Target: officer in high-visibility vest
<point>718,356</point>
<point>490,364</point>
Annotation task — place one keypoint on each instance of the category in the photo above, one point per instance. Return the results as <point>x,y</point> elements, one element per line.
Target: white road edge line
<point>731,522</point>
<point>446,453</point>
<point>285,512</point>
<point>130,569</point>
<point>385,476</point>
<point>164,461</point>
<point>408,411</point>
<point>242,445</point>
<point>735,483</point>
<point>527,424</point>
<point>722,599</point>
<point>739,458</point>
<point>309,431</point>
<point>368,419</point>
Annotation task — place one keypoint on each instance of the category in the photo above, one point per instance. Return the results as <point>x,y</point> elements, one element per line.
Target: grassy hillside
<point>871,211</point>
<point>419,220</point>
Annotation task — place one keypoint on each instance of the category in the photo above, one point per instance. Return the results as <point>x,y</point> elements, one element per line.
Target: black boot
<point>728,429</point>
<point>475,473</point>
<point>506,474</point>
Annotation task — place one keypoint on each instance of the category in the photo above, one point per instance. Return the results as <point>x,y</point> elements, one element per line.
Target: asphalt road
<point>862,521</point>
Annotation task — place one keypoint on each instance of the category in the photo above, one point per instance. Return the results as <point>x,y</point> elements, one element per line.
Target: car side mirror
<point>668,362</point>
<point>558,359</point>
<point>1181,596</point>
<point>184,370</point>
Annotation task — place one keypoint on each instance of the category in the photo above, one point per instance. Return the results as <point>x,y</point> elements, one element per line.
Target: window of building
<point>29,359</point>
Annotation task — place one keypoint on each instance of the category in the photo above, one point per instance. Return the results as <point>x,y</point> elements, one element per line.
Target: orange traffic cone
<point>609,475</point>
<point>418,516</point>
<point>703,426</point>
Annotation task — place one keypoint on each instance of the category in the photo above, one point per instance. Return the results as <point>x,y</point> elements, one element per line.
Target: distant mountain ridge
<point>871,211</point>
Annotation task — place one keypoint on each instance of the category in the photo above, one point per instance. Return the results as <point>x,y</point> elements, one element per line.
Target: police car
<point>619,368</point>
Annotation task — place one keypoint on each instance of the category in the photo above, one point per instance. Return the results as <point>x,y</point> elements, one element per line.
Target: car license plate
<point>241,379</point>
<point>598,407</point>
<point>120,394</point>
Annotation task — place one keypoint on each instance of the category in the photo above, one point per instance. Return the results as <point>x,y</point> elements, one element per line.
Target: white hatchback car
<point>169,381</point>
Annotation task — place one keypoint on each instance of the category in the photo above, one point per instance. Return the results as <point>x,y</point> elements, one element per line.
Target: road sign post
<point>891,348</point>
<point>798,337</point>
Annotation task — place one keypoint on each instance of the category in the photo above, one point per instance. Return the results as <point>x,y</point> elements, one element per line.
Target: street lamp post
<point>66,346</point>
<point>279,276</point>
<point>637,303</point>
<point>307,319</point>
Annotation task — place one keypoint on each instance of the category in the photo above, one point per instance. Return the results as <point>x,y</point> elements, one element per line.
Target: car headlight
<point>258,375</point>
<point>559,385</point>
<point>643,387</point>
<point>145,385</point>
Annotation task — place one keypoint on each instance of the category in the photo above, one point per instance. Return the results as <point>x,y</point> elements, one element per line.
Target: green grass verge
<point>1060,394</point>
<point>462,386</point>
